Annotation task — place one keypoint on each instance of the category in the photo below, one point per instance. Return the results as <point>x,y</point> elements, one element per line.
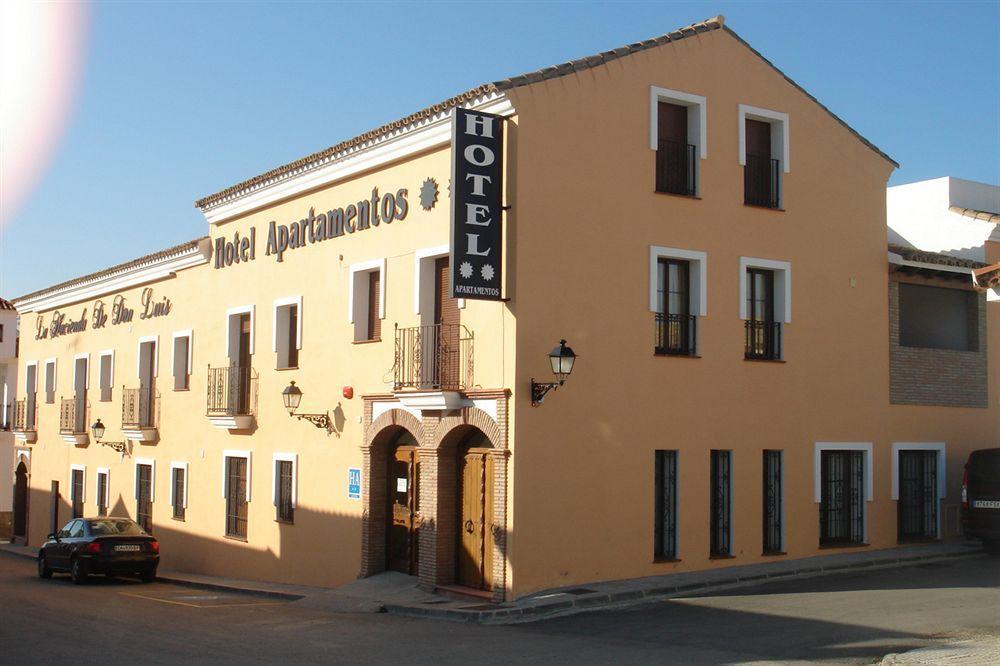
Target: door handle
<point>469,527</point>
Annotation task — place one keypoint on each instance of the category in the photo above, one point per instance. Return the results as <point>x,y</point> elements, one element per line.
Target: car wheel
<point>43,568</point>
<point>78,572</point>
<point>148,576</point>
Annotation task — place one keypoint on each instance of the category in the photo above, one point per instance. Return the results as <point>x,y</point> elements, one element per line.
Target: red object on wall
<point>348,392</point>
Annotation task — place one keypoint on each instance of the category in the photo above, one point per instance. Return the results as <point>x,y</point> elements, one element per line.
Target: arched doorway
<point>474,524</point>
<point>403,504</point>
<point>21,502</point>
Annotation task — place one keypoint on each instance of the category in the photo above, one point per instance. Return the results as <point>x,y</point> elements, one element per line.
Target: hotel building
<point>757,378</point>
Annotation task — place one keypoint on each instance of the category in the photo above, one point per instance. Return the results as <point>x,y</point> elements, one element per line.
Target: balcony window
<point>182,360</point>
<point>766,306</point>
<point>287,332</point>
<point>678,135</point>
<point>50,381</point>
<point>106,374</point>
<point>367,300</point>
<point>677,295</point>
<point>763,154</point>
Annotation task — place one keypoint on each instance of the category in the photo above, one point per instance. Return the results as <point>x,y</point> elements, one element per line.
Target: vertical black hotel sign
<point>476,208</point>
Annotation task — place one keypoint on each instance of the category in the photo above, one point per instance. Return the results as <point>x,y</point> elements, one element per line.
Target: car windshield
<point>102,527</point>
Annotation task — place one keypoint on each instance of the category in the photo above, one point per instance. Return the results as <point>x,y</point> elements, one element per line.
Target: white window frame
<point>106,472</point>
<point>83,469</point>
<point>782,286</point>
<point>285,457</point>
<point>942,477</point>
<point>38,380</point>
<point>55,377</point>
<point>697,107</point>
<point>779,142</point>
<point>423,274</point>
<point>174,464</point>
<point>189,334</point>
<point>239,310</point>
<point>155,339</point>
<point>86,380</point>
<point>697,276</point>
<point>866,448</point>
<point>281,303</point>
<point>357,295</point>
<point>152,478</point>
<point>111,375</point>
<point>236,453</point>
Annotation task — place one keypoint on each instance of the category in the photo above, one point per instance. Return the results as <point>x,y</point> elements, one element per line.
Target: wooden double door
<point>474,559</point>
<point>403,493</point>
<point>21,501</point>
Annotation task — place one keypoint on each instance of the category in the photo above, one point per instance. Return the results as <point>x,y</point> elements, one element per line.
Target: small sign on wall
<point>354,483</point>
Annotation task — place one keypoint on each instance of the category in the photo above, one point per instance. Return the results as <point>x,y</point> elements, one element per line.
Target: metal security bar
<point>674,334</point>
<point>435,357</point>
<point>761,181</point>
<point>762,340</point>
<point>178,494</point>
<point>140,408</point>
<point>721,503</point>
<point>232,391</point>
<point>76,493</point>
<point>675,167</point>
<point>665,530</point>
<point>918,497</point>
<point>144,497</point>
<point>73,415</point>
<point>236,497</point>
<point>286,512</point>
<point>772,501</point>
<point>842,501</point>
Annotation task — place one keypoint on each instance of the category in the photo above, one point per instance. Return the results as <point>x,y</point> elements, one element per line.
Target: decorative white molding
<point>26,436</point>
<point>432,400</point>
<point>175,464</point>
<point>782,286</point>
<point>239,310</point>
<point>285,457</point>
<point>189,334</point>
<point>382,406</point>
<point>698,276</point>
<point>237,422</point>
<point>420,136</point>
<point>155,339</point>
<point>280,302</point>
<point>366,267</point>
<point>152,477</point>
<point>83,491</point>
<point>235,453</point>
<point>421,274</point>
<point>126,278</point>
<point>818,449</point>
<point>942,477</point>
<point>774,118</point>
<point>141,435</point>
<point>76,438</point>
<point>698,112</point>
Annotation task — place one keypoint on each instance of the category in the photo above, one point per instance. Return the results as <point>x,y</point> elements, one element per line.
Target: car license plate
<point>986,504</point>
<point>128,547</point>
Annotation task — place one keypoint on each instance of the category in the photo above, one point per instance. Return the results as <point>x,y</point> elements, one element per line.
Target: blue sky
<point>181,100</point>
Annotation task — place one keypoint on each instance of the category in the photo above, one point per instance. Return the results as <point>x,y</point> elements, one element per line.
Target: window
<point>918,486</point>
<point>675,326</point>
<point>178,489</point>
<point>766,306</point>
<point>287,332</point>
<point>938,318</point>
<point>842,504</point>
<point>284,486</point>
<point>236,472</point>
<point>677,132</point>
<point>367,300</point>
<point>763,152</point>
<point>182,360</point>
<point>102,491</point>
<point>721,503</point>
<point>773,509</point>
<point>30,395</point>
<point>50,381</point>
<point>144,489</point>
<point>76,489</point>
<point>665,517</point>
<point>678,291</point>
<point>106,372</point>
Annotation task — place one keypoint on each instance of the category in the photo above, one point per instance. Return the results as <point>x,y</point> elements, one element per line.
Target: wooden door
<point>758,139</point>
<point>240,375</point>
<point>447,318</point>
<point>403,494</point>
<point>21,501</point>
<point>474,566</point>
<point>147,369</point>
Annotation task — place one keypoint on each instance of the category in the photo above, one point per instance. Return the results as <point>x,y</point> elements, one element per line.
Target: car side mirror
<point>53,536</point>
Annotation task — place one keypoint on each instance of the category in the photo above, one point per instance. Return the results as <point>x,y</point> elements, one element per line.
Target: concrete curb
<point>629,598</point>
<point>173,579</point>
<point>17,553</point>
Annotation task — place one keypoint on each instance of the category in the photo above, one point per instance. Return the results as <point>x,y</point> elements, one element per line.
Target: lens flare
<point>42,48</point>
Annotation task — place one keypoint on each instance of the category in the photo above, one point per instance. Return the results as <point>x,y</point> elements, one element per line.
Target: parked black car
<point>981,498</point>
<point>109,546</point>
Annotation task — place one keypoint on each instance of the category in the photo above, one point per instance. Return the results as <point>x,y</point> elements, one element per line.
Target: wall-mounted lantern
<point>292,397</point>
<point>562,359</point>
<point>98,430</point>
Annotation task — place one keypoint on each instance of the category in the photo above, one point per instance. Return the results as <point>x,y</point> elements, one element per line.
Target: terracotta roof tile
<point>927,257</point>
<point>6,305</point>
<point>986,216</point>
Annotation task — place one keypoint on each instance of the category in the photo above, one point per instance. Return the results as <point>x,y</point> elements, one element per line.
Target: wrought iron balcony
<point>675,334</point>
<point>24,419</point>
<point>73,419</point>
<point>763,340</point>
<point>675,167</point>
<point>762,182</point>
<point>232,396</point>
<point>438,357</point>
<point>140,413</point>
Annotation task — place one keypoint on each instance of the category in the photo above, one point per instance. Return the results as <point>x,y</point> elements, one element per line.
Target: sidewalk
<point>398,594</point>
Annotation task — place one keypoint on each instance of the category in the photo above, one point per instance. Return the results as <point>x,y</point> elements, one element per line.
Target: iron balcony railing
<point>674,334</point>
<point>232,391</point>
<point>762,181</point>
<point>763,340</point>
<point>140,407</point>
<point>24,415</point>
<point>73,415</point>
<point>438,357</point>
<point>675,167</point>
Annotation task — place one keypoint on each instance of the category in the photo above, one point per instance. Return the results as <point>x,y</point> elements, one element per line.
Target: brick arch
<point>470,416</point>
<point>394,417</point>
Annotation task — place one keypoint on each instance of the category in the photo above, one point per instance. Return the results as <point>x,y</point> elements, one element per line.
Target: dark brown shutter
<point>374,323</point>
<point>445,307</point>
<point>293,337</point>
<point>758,138</point>
<point>671,121</point>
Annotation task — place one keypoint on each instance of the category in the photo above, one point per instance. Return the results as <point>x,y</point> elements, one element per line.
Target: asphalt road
<point>847,618</point>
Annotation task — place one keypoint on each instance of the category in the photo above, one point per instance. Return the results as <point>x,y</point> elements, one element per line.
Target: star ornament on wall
<point>487,272</point>
<point>465,270</point>
<point>428,194</point>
